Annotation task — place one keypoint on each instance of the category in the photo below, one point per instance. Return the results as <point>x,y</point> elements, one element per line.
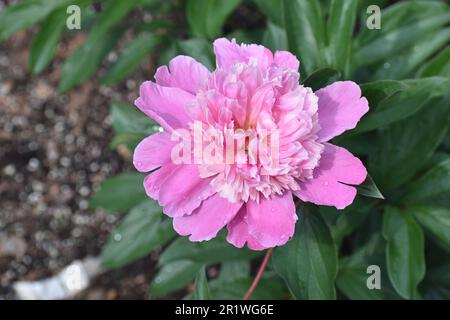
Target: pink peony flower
<point>252,90</point>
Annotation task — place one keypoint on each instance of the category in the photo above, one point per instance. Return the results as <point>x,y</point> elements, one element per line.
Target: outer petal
<point>152,152</point>
<point>165,105</point>
<point>337,168</point>
<point>154,181</point>
<point>185,73</point>
<point>206,221</point>
<point>340,108</point>
<point>286,59</point>
<point>229,52</point>
<point>272,221</point>
<point>238,232</point>
<point>183,191</point>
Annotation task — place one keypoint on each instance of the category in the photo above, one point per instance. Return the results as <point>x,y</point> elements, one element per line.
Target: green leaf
<point>131,57</point>
<point>404,251</point>
<point>173,276</point>
<point>341,21</point>
<point>206,17</point>
<point>26,13</point>
<point>269,288</point>
<point>305,29</point>
<point>272,9</point>
<point>405,63</point>
<point>369,189</point>
<point>352,282</point>
<point>120,193</point>
<point>274,37</point>
<point>128,119</point>
<point>377,91</point>
<point>84,61</point>
<point>437,86</point>
<point>404,147</point>
<point>140,232</point>
<point>438,66</point>
<point>234,269</point>
<point>392,42</point>
<point>398,106</point>
<point>45,42</point>
<point>435,220</point>
<point>130,140</point>
<point>201,291</point>
<point>213,251</point>
<point>432,188</point>
<point>321,78</point>
<point>200,49</point>
<point>308,263</point>
<point>102,38</point>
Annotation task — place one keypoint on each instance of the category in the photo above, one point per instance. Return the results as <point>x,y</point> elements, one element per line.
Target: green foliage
<point>140,232</point>
<point>308,263</point>
<point>401,209</point>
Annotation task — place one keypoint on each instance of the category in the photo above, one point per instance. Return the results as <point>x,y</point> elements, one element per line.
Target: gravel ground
<point>53,153</point>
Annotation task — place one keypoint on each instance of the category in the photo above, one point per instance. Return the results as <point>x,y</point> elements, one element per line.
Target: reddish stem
<point>258,275</point>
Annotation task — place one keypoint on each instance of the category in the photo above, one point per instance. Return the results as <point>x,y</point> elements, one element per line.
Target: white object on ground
<point>66,284</point>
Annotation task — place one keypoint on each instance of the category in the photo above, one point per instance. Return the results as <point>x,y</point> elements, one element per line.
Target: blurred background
<point>66,121</point>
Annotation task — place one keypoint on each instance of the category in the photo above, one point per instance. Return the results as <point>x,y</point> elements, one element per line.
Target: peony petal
<point>183,191</point>
<point>165,105</point>
<point>286,59</point>
<point>206,221</point>
<point>272,221</point>
<point>185,73</point>
<point>238,232</point>
<point>154,181</point>
<point>340,108</point>
<point>152,152</point>
<point>337,167</point>
<point>229,52</point>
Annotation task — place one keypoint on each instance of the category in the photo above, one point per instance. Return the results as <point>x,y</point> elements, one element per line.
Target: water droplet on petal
<point>273,209</point>
<point>283,236</point>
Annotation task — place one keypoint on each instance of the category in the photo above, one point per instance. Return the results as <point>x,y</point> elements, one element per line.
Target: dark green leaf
<point>142,230</point>
<point>234,269</point>
<point>404,252</point>
<point>269,288</point>
<point>274,37</point>
<point>369,189</point>
<point>120,193</point>
<point>215,250</point>
<point>398,106</point>
<point>405,63</point>
<point>26,13</point>
<point>201,291</point>
<point>341,21</point>
<point>438,66</point>
<point>131,57</point>
<point>45,42</point>
<point>305,29</point>
<point>308,263</point>
<point>404,147</point>
<point>200,49</point>
<point>84,61</point>
<point>128,119</point>
<point>130,140</point>
<point>173,276</point>
<point>392,42</point>
<point>321,78</point>
<point>432,188</point>
<point>377,91</point>
<point>272,9</point>
<point>206,17</point>
<point>102,38</point>
<point>435,220</point>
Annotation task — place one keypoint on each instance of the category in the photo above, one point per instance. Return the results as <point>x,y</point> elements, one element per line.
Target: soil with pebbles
<point>53,153</point>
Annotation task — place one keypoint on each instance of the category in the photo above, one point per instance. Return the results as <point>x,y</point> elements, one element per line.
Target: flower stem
<point>258,275</point>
